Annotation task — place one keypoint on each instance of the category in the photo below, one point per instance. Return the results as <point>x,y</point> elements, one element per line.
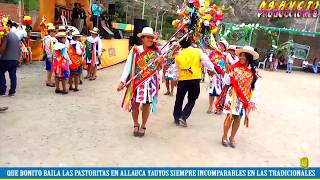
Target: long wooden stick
<point>158,58</point>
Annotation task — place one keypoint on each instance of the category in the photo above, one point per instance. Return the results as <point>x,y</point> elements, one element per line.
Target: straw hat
<point>51,28</point>
<point>76,33</point>
<point>248,49</point>
<point>62,28</point>
<point>49,24</point>
<point>225,43</point>
<point>61,34</point>
<point>232,47</point>
<point>95,30</point>
<point>146,31</point>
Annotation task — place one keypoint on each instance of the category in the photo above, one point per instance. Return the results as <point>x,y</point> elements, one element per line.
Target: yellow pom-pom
<point>214,30</point>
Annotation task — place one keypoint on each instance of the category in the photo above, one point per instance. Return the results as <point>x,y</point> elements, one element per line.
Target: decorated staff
<point>201,18</point>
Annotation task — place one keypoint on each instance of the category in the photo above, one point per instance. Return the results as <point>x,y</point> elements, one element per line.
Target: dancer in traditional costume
<point>76,51</point>
<point>231,58</point>
<point>49,42</point>
<point>170,70</point>
<point>240,97</point>
<point>189,62</point>
<point>216,80</point>
<point>144,89</point>
<point>63,29</point>
<point>69,36</point>
<point>61,63</point>
<point>93,53</point>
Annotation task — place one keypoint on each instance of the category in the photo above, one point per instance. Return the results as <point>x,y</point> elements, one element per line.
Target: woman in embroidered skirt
<point>76,52</point>
<point>239,98</point>
<point>61,63</point>
<point>216,80</point>
<point>143,90</point>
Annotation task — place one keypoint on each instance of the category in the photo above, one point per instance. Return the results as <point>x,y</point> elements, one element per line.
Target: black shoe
<point>12,95</point>
<point>183,122</point>
<point>3,109</point>
<point>64,92</point>
<point>177,123</point>
<point>58,91</point>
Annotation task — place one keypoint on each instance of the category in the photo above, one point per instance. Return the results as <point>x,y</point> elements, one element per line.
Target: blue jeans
<point>289,67</point>
<point>11,67</point>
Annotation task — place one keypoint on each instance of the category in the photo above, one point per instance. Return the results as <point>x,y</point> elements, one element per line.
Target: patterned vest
<point>74,57</point>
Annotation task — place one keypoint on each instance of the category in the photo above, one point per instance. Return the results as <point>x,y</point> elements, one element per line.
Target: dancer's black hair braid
<point>252,64</point>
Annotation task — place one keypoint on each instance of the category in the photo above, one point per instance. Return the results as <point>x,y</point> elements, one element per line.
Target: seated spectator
<point>305,65</point>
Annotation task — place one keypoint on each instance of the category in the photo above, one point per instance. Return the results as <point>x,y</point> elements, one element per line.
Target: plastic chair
<point>263,64</point>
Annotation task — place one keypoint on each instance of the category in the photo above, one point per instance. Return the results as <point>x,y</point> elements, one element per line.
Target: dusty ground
<point>88,128</point>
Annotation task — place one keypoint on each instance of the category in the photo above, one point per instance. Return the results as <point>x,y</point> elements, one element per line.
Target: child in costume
<point>239,97</point>
<point>93,53</point>
<point>61,63</point>
<point>49,42</point>
<point>76,51</point>
<point>144,89</point>
<point>69,36</point>
<point>216,80</point>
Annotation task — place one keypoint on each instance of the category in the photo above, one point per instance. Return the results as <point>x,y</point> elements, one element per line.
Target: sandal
<point>209,112</point>
<point>141,134</point>
<point>232,143</point>
<point>136,132</point>
<point>75,89</point>
<point>224,142</point>
<point>58,91</point>
<point>167,93</point>
<point>50,85</point>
